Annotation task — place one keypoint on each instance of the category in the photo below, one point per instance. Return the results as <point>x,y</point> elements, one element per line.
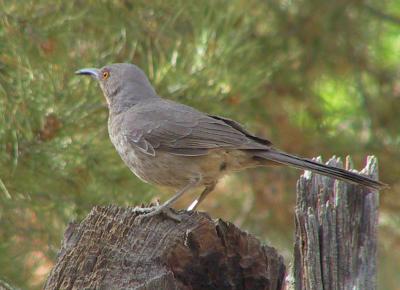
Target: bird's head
<point>123,84</point>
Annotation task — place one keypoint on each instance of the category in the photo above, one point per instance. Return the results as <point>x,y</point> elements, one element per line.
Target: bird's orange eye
<point>106,74</point>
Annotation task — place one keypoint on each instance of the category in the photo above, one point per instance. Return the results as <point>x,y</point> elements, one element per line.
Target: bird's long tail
<point>307,164</point>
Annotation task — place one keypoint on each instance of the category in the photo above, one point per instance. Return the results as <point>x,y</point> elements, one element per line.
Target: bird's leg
<point>164,208</point>
<point>202,196</point>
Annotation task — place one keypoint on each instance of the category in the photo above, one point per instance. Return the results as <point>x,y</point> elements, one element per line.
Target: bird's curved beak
<point>93,72</point>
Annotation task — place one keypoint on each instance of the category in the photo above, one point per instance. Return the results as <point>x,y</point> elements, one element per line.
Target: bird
<point>167,143</point>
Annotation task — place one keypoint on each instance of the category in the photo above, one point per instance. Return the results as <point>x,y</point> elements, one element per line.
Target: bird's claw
<point>146,212</point>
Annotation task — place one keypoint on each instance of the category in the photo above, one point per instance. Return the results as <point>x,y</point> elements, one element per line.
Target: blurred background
<point>315,77</point>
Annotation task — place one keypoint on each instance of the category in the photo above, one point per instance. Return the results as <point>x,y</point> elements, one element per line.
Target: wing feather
<point>182,130</point>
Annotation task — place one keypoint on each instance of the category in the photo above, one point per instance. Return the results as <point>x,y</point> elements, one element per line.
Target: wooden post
<point>335,246</point>
<point>114,249</point>
<point>336,232</point>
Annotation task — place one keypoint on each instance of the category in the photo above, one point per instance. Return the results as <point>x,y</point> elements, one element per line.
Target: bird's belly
<point>162,169</point>
<point>176,171</point>
<point>170,170</point>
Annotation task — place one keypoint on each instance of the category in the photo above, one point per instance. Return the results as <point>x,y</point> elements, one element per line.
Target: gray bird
<point>171,144</point>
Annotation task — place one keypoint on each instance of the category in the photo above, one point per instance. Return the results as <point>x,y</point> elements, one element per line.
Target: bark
<point>336,232</point>
<point>114,249</point>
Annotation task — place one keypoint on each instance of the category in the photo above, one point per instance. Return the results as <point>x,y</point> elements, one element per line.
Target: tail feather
<point>307,164</point>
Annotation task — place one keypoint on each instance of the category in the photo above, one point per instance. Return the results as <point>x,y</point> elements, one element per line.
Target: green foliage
<point>316,77</point>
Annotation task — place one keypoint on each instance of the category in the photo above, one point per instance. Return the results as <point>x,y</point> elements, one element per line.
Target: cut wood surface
<point>336,232</point>
<point>114,249</point>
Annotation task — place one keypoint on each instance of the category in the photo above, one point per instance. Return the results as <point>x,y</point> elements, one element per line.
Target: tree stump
<point>114,249</point>
<point>336,232</point>
<point>335,246</point>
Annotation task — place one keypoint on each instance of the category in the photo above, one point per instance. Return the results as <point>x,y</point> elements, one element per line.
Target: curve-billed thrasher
<point>170,144</point>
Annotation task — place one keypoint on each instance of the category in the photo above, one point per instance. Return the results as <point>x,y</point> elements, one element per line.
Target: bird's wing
<point>182,130</point>
<point>239,127</point>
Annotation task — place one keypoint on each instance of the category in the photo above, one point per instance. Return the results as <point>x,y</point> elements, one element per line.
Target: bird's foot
<point>146,212</point>
<point>166,211</point>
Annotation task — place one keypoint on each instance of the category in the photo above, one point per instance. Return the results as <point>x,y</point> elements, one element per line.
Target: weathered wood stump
<point>336,232</point>
<point>113,249</point>
<point>335,246</point>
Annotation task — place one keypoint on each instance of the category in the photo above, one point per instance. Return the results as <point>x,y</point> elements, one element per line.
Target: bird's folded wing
<point>189,133</point>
